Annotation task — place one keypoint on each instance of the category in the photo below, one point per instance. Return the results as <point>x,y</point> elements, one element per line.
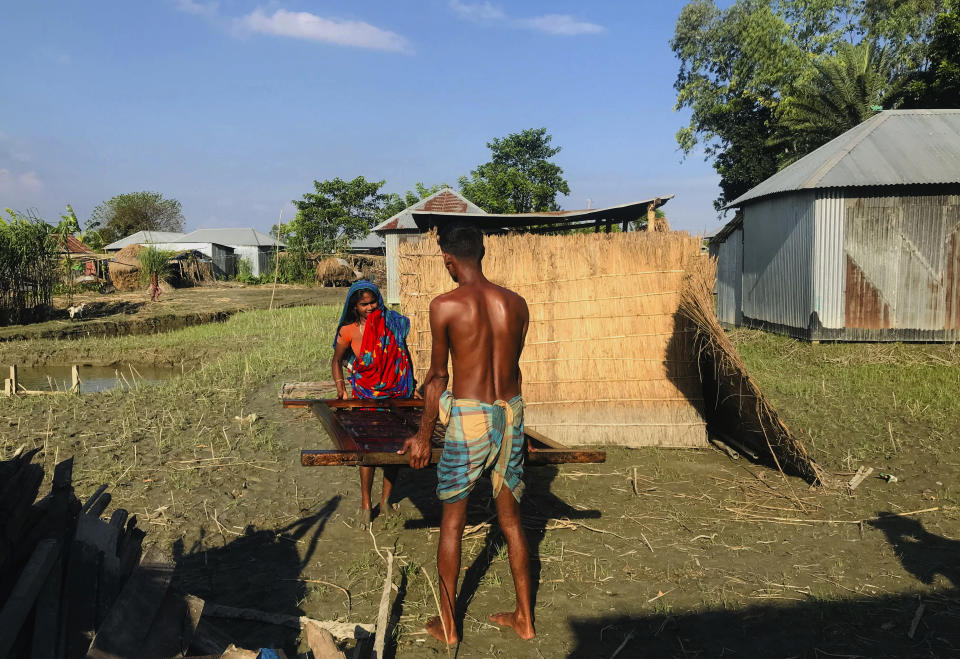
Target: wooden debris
<point>20,602</point>
<point>861,475</point>
<point>342,630</point>
<point>384,611</point>
<point>916,620</point>
<point>321,642</point>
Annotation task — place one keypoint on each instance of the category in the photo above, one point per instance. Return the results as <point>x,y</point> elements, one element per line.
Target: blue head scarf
<point>398,324</point>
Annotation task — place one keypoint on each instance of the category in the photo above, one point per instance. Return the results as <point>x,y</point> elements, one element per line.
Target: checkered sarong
<point>480,436</point>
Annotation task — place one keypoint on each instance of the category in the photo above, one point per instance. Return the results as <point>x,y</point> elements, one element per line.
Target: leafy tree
<point>519,177</point>
<point>136,211</point>
<point>737,65</point>
<point>938,86</point>
<point>846,90</point>
<point>335,214</point>
<point>396,203</point>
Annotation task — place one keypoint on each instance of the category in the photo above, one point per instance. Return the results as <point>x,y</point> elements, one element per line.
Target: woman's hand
<point>341,390</point>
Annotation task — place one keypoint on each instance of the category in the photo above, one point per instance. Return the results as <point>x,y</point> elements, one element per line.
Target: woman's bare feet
<point>365,516</point>
<point>435,627</point>
<point>523,627</point>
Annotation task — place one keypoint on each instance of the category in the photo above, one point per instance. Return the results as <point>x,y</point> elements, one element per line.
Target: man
<point>483,327</point>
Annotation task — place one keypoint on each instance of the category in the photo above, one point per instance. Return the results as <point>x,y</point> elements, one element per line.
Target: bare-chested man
<point>483,326</point>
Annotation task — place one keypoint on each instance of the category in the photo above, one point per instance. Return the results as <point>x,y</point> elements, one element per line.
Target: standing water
<point>56,377</point>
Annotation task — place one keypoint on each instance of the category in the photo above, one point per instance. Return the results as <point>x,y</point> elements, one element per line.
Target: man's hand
<point>419,450</point>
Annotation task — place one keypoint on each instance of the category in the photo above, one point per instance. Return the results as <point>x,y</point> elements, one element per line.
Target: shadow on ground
<point>853,627</point>
<point>257,570</point>
<point>538,505</point>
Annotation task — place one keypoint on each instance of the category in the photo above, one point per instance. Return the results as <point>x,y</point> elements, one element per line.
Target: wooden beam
<point>25,592</point>
<point>13,379</point>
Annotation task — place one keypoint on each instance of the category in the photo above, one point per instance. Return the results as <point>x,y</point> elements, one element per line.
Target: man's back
<point>486,326</point>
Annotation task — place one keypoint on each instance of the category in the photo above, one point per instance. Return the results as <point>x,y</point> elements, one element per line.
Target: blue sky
<point>235,107</point>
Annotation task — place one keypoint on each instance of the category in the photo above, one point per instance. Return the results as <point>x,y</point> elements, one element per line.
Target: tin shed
<point>857,241</point>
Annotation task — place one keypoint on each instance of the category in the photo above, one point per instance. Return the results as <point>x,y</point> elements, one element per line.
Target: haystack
<point>125,269</point>
<point>615,348</point>
<point>335,272</point>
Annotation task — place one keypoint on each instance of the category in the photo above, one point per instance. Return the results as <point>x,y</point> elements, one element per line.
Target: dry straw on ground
<point>623,340</point>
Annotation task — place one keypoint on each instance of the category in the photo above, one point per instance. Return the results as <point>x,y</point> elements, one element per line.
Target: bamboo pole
<point>75,379</point>
<point>276,258</point>
<point>13,378</point>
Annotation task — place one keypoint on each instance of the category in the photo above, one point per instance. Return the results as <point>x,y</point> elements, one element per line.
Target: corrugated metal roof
<point>496,221</point>
<point>145,238</point>
<point>76,246</point>
<point>234,237</point>
<point>370,241</point>
<point>893,147</point>
<point>446,200</point>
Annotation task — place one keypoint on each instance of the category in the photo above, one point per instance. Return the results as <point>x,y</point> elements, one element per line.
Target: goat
<point>76,311</point>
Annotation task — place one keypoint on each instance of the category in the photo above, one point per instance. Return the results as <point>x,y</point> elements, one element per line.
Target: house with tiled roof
<point>402,228</point>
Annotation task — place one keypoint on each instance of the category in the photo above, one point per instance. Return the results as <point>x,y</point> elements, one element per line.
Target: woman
<point>371,341</point>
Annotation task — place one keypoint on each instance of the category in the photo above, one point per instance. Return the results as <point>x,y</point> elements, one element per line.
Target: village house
<point>857,241</point>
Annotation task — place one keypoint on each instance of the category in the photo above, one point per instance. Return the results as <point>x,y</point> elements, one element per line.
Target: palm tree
<point>154,266</point>
<point>846,89</point>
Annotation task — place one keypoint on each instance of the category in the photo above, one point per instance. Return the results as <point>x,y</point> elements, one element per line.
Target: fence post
<point>75,379</point>
<point>13,379</point>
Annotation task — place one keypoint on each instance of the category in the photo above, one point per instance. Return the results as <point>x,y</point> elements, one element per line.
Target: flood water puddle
<point>56,377</point>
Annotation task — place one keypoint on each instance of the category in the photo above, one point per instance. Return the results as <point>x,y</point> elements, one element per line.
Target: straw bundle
<point>335,272</point>
<point>734,404</point>
<point>605,361</point>
<point>125,269</point>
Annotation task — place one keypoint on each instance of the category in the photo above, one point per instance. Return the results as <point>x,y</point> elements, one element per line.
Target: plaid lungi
<point>480,436</point>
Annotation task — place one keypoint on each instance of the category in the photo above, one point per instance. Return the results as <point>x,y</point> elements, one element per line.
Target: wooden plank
<point>334,458</point>
<point>25,592</point>
<point>332,425</point>
<point>534,437</point>
<point>565,456</point>
<point>83,572</point>
<point>46,624</point>
<point>127,624</point>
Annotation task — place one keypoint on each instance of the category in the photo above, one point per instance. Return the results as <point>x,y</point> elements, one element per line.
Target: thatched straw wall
<point>604,362</point>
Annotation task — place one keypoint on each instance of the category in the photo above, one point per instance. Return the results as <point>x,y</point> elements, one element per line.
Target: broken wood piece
<point>354,630</point>
<point>723,446</point>
<point>128,621</point>
<point>233,652</point>
<point>321,642</point>
<point>739,446</point>
<point>861,475</point>
<point>25,592</point>
<point>384,610</point>
<point>916,620</point>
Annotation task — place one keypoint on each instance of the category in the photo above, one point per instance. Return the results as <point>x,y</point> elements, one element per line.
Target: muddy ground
<point>662,553</point>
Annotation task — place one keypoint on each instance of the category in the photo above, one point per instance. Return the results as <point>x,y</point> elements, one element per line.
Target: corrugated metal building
<point>857,241</point>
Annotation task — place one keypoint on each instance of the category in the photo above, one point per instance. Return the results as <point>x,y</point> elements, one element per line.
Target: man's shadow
<point>260,570</point>
<point>923,554</point>
<point>537,506</point>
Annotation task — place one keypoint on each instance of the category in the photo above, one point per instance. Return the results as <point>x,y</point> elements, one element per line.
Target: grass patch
<point>855,402</point>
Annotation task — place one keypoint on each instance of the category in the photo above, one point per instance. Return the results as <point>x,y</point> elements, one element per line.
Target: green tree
<point>845,90</point>
<point>737,65</point>
<point>938,85</point>
<point>396,203</point>
<point>136,211</point>
<point>336,213</point>
<point>519,177</point>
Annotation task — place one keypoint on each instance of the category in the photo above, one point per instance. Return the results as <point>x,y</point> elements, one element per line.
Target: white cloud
<point>12,183</point>
<point>310,27</point>
<point>562,24</point>
<point>558,24</point>
<point>197,8</point>
<point>484,11</point>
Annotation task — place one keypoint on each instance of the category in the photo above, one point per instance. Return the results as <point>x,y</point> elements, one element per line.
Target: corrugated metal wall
<point>777,254</point>
<point>258,256</point>
<point>900,252</point>
<point>393,280</point>
<point>730,279</point>
<point>829,276</point>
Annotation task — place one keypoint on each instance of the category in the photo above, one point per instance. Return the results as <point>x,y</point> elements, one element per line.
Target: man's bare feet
<point>524,628</point>
<point>365,516</point>
<point>435,627</point>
